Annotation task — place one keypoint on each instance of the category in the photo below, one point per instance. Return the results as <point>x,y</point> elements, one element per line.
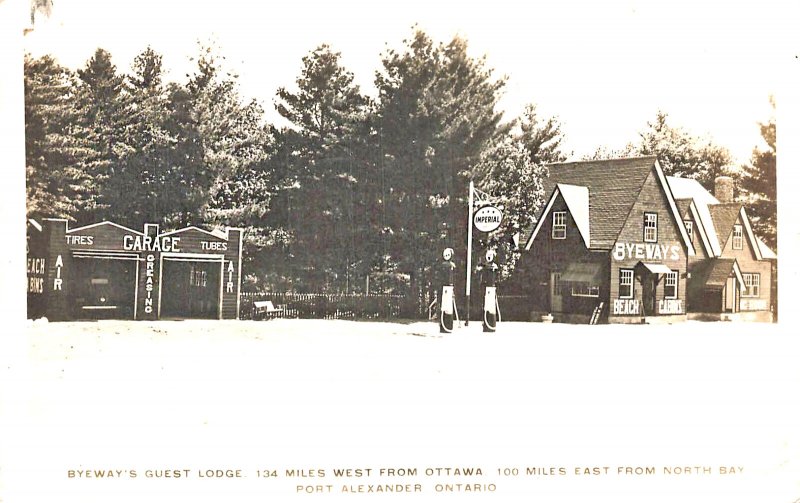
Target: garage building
<point>106,270</point>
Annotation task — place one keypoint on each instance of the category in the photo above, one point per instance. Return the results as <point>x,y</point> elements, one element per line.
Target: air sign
<point>487,218</point>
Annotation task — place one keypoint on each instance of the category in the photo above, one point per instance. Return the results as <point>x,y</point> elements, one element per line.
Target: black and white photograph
<point>483,251</point>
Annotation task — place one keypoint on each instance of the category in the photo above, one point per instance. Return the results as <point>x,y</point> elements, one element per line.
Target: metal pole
<point>469,248</point>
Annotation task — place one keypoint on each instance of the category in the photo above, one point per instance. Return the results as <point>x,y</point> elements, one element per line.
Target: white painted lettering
<point>626,306</point>
<point>670,306</point>
<point>213,245</point>
<point>80,240</point>
<point>619,251</point>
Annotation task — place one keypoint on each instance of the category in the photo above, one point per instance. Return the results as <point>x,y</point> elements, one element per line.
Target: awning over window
<point>583,273</point>
<point>656,268</point>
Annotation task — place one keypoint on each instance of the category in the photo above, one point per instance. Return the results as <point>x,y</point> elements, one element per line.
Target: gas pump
<point>491,309</point>
<point>447,307</point>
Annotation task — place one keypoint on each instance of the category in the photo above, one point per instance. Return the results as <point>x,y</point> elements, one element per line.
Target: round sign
<point>490,254</point>
<point>447,254</point>
<point>488,218</point>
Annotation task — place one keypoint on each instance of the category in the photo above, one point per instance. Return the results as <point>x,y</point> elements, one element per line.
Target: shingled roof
<point>683,206</point>
<point>714,273</point>
<point>724,216</point>
<point>614,186</point>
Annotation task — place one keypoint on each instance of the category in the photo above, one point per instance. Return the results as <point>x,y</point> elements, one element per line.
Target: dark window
<point>737,237</point>
<point>626,283</point>
<point>671,285</point>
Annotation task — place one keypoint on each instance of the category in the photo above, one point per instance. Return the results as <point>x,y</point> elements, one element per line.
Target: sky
<point>604,68</point>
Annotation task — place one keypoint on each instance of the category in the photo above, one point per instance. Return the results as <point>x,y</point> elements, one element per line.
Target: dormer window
<point>650,227</point>
<point>559,225</point>
<point>737,237</point>
<point>689,229</point>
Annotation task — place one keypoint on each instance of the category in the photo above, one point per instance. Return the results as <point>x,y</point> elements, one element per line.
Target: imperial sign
<point>488,218</point>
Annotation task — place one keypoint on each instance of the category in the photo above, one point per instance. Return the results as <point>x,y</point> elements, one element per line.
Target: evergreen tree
<point>541,138</point>
<point>56,146</point>
<point>140,189</point>
<point>105,110</point>
<point>759,185</point>
<point>681,154</point>
<point>229,185</point>
<point>323,186</point>
<point>507,174</point>
<point>436,115</point>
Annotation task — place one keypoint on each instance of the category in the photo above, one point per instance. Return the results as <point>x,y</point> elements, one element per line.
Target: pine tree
<point>56,147</point>
<point>326,172</point>
<point>436,115</point>
<point>541,138</point>
<point>105,111</point>
<point>759,184</point>
<point>681,154</point>
<point>228,185</point>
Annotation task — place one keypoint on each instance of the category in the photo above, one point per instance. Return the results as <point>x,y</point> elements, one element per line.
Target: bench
<point>264,309</point>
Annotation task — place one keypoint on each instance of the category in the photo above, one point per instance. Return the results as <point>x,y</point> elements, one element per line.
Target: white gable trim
<point>105,222</point>
<point>751,237</point>
<point>676,215</point>
<point>738,272</point>
<point>577,199</point>
<point>698,223</point>
<point>542,218</point>
<point>190,228</point>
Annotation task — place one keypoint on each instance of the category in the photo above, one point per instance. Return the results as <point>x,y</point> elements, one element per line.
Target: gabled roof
<point>724,216</point>
<point>715,218</point>
<point>714,273</point>
<point>104,223</point>
<point>613,186</point>
<point>766,252</point>
<point>688,188</point>
<point>683,206</point>
<point>692,211</point>
<point>192,228</point>
<point>577,200</point>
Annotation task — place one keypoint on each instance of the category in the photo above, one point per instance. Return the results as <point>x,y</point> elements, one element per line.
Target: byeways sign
<point>488,218</point>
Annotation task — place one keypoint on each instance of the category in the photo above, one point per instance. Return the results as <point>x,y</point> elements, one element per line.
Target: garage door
<point>191,288</point>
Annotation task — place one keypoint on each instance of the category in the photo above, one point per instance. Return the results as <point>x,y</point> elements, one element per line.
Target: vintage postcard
<point>318,251</point>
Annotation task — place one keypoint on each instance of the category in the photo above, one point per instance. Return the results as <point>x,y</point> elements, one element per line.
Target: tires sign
<point>487,218</point>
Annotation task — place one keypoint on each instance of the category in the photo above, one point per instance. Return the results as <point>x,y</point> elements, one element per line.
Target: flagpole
<point>469,248</point>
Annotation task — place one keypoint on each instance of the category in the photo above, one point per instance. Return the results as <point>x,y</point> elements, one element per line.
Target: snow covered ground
<point>288,402</point>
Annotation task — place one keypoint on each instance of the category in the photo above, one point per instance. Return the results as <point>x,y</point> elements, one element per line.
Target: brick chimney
<point>723,189</point>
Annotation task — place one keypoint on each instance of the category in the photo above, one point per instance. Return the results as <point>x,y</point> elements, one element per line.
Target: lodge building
<point>106,270</point>
<point>614,244</point>
<point>732,271</point>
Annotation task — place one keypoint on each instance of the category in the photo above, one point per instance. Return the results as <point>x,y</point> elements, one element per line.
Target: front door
<point>649,293</point>
<point>730,296</point>
<point>555,292</point>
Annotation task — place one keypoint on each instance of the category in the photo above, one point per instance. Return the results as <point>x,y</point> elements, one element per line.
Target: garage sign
<point>488,218</point>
